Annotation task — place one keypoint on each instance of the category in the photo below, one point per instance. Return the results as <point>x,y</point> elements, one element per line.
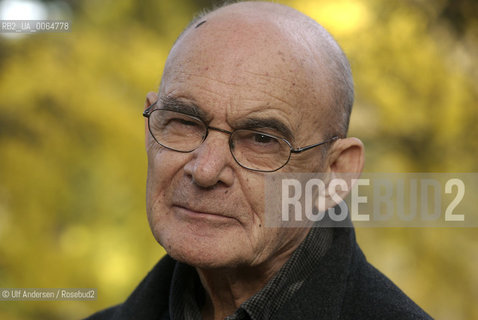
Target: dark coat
<point>343,286</point>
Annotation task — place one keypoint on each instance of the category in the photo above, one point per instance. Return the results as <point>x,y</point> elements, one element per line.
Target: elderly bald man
<point>249,89</point>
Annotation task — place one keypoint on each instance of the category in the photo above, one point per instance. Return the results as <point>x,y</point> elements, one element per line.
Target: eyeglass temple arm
<point>299,150</point>
<point>147,111</point>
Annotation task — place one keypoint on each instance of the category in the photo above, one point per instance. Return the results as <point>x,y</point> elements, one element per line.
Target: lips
<point>196,211</point>
<point>189,201</point>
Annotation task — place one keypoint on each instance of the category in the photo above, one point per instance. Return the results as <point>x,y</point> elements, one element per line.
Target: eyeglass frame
<point>148,111</point>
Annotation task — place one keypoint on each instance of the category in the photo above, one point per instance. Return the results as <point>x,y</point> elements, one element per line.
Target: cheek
<point>252,189</point>
<point>163,167</point>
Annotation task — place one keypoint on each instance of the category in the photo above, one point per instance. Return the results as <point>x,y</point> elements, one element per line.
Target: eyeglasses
<point>252,150</point>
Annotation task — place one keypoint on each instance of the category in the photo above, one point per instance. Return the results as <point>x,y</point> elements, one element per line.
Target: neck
<point>227,288</point>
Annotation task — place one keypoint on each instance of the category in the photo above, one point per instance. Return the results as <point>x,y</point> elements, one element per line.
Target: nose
<point>212,162</point>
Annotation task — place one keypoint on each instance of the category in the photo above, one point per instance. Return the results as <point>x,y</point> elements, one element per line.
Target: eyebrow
<point>267,123</point>
<point>190,108</point>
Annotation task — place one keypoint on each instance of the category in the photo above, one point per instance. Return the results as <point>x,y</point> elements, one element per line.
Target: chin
<point>202,262</point>
<point>203,252</point>
<point>202,241</point>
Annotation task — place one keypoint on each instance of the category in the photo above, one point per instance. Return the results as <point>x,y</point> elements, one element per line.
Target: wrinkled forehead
<point>239,43</point>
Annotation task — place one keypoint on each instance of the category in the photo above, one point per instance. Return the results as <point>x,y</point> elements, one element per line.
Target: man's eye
<point>183,122</point>
<point>261,138</point>
<point>180,123</point>
<point>256,142</point>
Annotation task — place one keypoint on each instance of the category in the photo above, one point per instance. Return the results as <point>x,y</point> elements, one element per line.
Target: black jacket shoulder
<point>345,286</point>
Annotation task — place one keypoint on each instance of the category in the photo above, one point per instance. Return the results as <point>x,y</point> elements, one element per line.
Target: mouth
<point>193,213</point>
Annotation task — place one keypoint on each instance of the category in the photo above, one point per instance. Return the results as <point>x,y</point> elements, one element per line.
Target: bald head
<point>294,46</point>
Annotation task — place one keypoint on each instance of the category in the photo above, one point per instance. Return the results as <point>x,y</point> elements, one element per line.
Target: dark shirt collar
<point>187,293</point>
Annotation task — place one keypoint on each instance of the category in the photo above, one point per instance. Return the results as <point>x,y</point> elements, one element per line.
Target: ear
<point>151,97</point>
<point>346,156</point>
<point>345,162</point>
